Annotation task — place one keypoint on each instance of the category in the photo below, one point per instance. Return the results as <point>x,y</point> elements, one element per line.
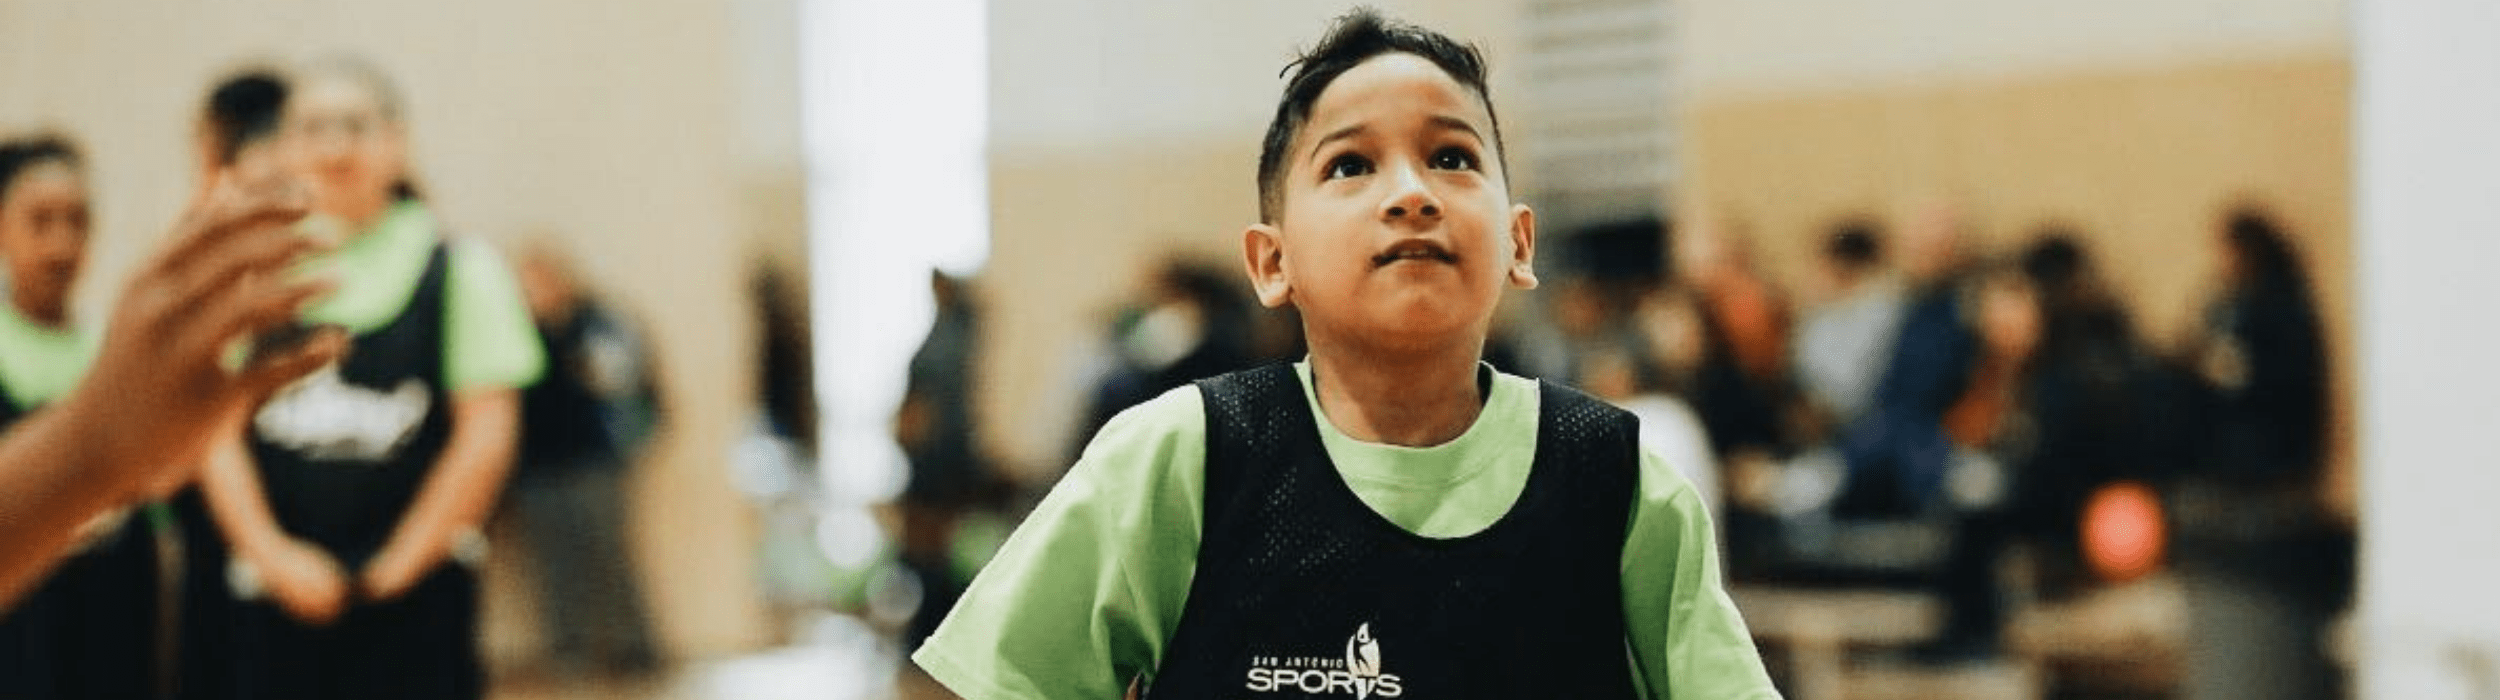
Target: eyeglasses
<point>348,126</point>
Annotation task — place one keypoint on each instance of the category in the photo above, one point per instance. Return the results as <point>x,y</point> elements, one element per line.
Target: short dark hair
<point>2266,253</point>
<point>1354,38</point>
<point>1855,244</point>
<point>19,155</point>
<point>244,108</point>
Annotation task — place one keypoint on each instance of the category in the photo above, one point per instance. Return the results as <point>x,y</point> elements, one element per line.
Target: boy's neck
<point>1408,401</point>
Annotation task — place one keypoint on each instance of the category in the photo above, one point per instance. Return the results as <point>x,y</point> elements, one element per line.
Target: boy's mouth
<point>1414,249</point>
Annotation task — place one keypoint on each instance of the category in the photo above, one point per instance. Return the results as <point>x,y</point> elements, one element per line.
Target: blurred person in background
<point>90,629</point>
<point>1583,319</point>
<point>2041,422</point>
<point>1724,330</point>
<point>1601,273</point>
<point>2090,377</point>
<point>1981,424</point>
<point>785,372</point>
<point>235,137</point>
<point>936,429</point>
<point>1843,342</point>
<point>773,461</point>
<point>353,498</point>
<point>1741,387</point>
<point>583,426</point>
<point>1192,323</point>
<point>1894,453</point>
<point>238,125</point>
<point>2264,565</point>
<point>1639,382</point>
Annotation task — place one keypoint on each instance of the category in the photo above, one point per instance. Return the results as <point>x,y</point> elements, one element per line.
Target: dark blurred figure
<point>1719,330</point>
<point>773,463</point>
<point>1649,375</point>
<point>1741,388</point>
<point>940,438</point>
<point>1843,343</point>
<point>1193,323</point>
<point>583,426</point>
<point>2265,566</point>
<point>1985,423</point>
<point>1595,281</point>
<point>2042,421</point>
<point>91,629</point>
<point>1895,453</point>
<point>2088,378</point>
<point>785,369</point>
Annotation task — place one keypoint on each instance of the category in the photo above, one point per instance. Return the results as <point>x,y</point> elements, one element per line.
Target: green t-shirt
<point>489,341</point>
<point>1088,591</point>
<point>39,363</point>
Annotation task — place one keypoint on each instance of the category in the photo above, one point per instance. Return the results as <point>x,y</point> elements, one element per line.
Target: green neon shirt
<point>488,339</point>
<point>39,363</point>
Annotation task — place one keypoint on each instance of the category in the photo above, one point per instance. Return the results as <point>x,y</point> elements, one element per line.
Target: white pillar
<point>2427,181</point>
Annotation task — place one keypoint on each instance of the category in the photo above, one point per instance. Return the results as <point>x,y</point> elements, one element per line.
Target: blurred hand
<point>158,388</point>
<point>305,581</point>
<point>389,576</point>
<point>1753,480</point>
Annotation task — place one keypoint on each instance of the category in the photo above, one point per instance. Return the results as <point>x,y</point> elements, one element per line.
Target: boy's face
<point>1397,231</point>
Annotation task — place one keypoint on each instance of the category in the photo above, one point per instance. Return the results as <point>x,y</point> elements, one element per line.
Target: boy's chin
<point>1420,330</point>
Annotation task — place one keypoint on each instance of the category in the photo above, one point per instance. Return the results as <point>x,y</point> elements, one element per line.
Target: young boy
<point>1391,517</point>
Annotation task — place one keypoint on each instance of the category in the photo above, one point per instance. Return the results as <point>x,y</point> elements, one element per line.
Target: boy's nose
<point>1411,198</point>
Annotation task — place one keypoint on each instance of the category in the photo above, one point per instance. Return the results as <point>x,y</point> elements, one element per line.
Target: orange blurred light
<point>2122,531</point>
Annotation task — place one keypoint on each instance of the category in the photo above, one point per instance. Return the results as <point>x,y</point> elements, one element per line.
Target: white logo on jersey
<point>1362,658</point>
<point>1357,674</point>
<point>327,418</point>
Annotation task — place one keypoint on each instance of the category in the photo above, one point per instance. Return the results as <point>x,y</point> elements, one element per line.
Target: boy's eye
<point>1348,165</point>
<point>1453,158</point>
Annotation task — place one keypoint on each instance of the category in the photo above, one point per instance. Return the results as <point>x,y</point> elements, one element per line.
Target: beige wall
<point>1756,47</point>
<point>642,138</point>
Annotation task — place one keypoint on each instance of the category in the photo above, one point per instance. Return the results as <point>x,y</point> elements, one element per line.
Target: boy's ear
<point>1263,256</point>
<point>1523,247</point>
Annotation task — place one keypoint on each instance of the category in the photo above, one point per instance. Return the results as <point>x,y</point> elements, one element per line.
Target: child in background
<point>351,497</point>
<point>88,630</point>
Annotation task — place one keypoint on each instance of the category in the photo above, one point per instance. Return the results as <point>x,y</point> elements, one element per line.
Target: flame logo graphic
<point>1362,659</point>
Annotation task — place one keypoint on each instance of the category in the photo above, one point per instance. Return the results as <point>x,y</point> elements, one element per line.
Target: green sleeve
<point>1681,624</point>
<point>489,341</point>
<point>1083,596</point>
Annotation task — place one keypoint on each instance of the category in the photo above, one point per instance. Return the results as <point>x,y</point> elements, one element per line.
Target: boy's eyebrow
<point>1345,133</point>
<point>1449,122</point>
